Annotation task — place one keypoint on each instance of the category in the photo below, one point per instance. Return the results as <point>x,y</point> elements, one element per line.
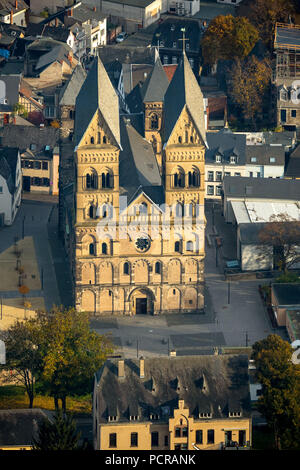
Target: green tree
<point>23,356</point>
<point>21,110</point>
<point>248,83</point>
<point>265,13</point>
<point>71,353</point>
<point>227,38</point>
<point>280,380</point>
<point>61,434</point>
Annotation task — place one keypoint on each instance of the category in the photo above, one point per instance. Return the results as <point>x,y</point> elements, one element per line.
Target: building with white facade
<point>10,184</point>
<point>184,8</point>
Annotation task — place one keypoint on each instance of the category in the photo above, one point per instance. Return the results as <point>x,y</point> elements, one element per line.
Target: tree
<point>228,37</point>
<point>61,434</point>
<point>282,233</point>
<point>247,86</point>
<point>70,351</point>
<point>21,110</point>
<point>22,356</point>
<point>265,13</point>
<point>280,380</point>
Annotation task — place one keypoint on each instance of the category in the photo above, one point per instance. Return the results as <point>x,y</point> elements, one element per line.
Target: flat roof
<point>258,211</point>
<point>294,317</point>
<point>133,3</point>
<point>287,36</point>
<point>287,293</point>
<point>261,188</point>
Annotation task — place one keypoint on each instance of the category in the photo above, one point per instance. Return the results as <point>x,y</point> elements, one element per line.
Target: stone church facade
<point>145,256</point>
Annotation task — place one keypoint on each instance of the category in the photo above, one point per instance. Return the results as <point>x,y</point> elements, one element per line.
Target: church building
<point>139,220</point>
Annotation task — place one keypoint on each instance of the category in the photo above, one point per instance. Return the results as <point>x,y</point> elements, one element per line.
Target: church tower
<point>153,92</point>
<point>97,139</point>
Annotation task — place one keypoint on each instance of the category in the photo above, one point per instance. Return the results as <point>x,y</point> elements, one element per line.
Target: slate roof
<point>256,188</point>
<point>287,293</point>
<point>59,33</point>
<point>227,144</point>
<point>9,5</point>
<point>138,166</point>
<point>12,67</point>
<point>8,165</point>
<point>293,166</point>
<point>134,99</point>
<point>24,136</point>
<point>170,32</point>
<point>83,13</point>
<point>58,53</point>
<point>286,36</point>
<point>135,3</point>
<point>216,384</point>
<point>127,54</point>
<point>182,92</point>
<point>96,93</point>
<point>263,153</point>
<point>18,427</point>
<point>155,87</point>
<point>69,92</point>
<point>249,233</point>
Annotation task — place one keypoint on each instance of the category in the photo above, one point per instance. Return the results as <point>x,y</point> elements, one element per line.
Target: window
<point>91,249</point>
<point>45,182</point>
<point>1,189</point>
<point>157,268</point>
<point>258,174</point>
<point>134,439</point>
<point>218,190</point>
<point>166,441</point>
<point>174,60</point>
<point>237,174</point>
<point>177,432</point>
<point>37,165</point>
<point>218,159</point>
<point>210,176</point>
<point>294,113</point>
<point>272,159</point>
<point>91,181</point>
<point>253,159</point>
<point>174,44</point>
<point>154,439</point>
<point>126,268</point>
<point>184,432</point>
<point>154,121</point>
<point>106,180</point>
<point>227,173</point>
<point>45,165</point>
<point>218,176</point>
<point>210,436</point>
<point>232,159</point>
<point>92,140</point>
<point>205,415</point>
<point>104,248</point>
<point>251,174</point>
<point>194,179</point>
<point>165,60</point>
<point>113,440</point>
<point>178,180</point>
<point>189,246</point>
<point>177,247</point>
<point>199,436</point>
<point>210,190</point>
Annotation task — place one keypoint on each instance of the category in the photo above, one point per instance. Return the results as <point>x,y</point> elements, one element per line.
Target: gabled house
<point>13,12</point>
<point>172,403</point>
<point>10,184</point>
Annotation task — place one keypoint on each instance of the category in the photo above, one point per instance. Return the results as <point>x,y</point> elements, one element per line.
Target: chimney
<point>16,5</point>
<point>56,22</point>
<point>142,367</point>
<point>94,8</point>
<point>121,369</point>
<point>172,353</point>
<point>11,16</point>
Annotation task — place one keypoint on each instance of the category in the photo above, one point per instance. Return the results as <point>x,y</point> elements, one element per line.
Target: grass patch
<point>263,438</point>
<point>15,397</point>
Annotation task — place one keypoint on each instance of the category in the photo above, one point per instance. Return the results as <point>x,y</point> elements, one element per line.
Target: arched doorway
<point>142,301</point>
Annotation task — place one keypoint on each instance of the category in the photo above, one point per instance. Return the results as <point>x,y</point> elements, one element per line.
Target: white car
<point>121,37</point>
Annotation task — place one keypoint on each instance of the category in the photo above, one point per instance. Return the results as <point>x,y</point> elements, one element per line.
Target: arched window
<point>91,248</point>
<point>189,246</point>
<point>107,180</point>
<point>91,180</point>
<point>104,139</point>
<point>104,248</point>
<point>92,140</point>
<point>157,268</point>
<point>91,212</point>
<point>177,246</point>
<point>126,268</point>
<point>180,139</point>
<point>154,121</point>
<point>194,178</point>
<point>190,210</point>
<point>178,179</point>
<point>179,211</point>
<point>192,139</point>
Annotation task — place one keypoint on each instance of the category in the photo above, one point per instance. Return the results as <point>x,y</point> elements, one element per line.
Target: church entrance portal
<point>141,306</point>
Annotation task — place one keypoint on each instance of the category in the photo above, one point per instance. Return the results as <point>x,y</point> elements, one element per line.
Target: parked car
<point>121,37</point>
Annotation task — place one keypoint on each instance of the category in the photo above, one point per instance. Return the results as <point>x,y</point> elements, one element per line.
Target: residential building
<point>265,161</point>
<point>39,149</point>
<point>138,274</point>
<point>133,14</point>
<point>285,298</point>
<point>287,74</point>
<point>13,12</point>
<point>93,22</point>
<point>225,156</point>
<point>170,38</point>
<point>10,184</point>
<point>18,428</point>
<point>172,403</point>
<point>184,8</point>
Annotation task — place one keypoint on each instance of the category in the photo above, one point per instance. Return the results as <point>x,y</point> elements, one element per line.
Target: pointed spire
<point>184,91</point>
<point>97,93</point>
<point>156,85</point>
